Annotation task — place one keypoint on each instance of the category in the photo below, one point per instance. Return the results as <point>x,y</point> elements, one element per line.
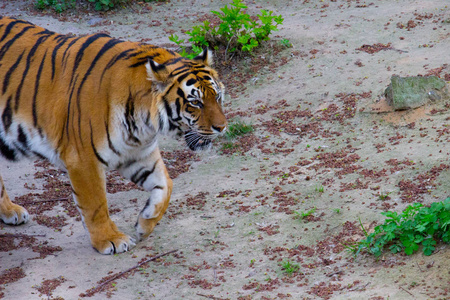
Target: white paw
<point>16,217</point>
<point>119,246</point>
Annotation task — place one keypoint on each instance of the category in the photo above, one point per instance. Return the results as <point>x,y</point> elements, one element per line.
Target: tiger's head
<point>191,95</point>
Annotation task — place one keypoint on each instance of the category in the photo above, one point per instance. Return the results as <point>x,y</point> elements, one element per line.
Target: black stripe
<point>27,68</point>
<point>126,164</point>
<point>39,155</point>
<point>135,175</point>
<point>7,45</point>
<point>45,32</point>
<point>64,61</point>
<point>111,43</point>
<point>110,144</point>
<point>147,204</point>
<point>9,27</point>
<point>113,61</point>
<point>178,107</point>
<point>143,177</point>
<point>22,137</point>
<point>81,50</point>
<point>191,81</point>
<point>182,69</point>
<point>10,71</point>
<point>180,93</point>
<point>167,107</point>
<point>94,149</point>
<point>68,108</point>
<point>7,152</point>
<point>148,119</point>
<point>143,60</point>
<point>182,77</point>
<point>7,114</point>
<point>36,88</point>
<point>161,123</point>
<point>62,40</point>
<point>129,119</point>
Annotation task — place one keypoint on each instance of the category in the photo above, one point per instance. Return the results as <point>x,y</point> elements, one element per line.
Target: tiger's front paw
<point>116,243</point>
<point>144,227</point>
<point>14,214</point>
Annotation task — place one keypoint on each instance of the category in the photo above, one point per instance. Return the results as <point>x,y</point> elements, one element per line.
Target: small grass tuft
<point>237,129</point>
<point>289,268</point>
<point>302,215</point>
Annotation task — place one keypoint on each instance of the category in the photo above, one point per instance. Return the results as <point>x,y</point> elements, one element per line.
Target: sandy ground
<point>324,139</point>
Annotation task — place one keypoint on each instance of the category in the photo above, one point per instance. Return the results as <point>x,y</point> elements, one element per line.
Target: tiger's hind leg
<point>152,175</point>
<point>11,213</point>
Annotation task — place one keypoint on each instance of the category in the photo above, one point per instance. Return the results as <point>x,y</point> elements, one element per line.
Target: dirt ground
<point>325,139</point>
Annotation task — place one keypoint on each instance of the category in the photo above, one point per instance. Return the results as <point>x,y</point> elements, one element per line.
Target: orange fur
<point>93,103</point>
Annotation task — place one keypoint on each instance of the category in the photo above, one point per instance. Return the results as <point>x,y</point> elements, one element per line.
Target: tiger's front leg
<point>89,192</point>
<point>152,175</point>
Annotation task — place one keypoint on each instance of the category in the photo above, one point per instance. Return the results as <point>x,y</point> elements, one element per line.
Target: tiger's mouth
<point>197,141</point>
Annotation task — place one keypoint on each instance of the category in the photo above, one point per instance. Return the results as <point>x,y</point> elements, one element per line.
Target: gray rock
<point>412,92</point>
<point>94,21</point>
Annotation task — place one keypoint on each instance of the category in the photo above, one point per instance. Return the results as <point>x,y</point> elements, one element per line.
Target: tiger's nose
<point>219,128</point>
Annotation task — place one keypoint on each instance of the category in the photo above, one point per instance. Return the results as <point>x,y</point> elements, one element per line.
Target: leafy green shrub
<point>62,5</point>
<point>107,4</point>
<point>416,225</point>
<point>57,5</point>
<point>236,31</point>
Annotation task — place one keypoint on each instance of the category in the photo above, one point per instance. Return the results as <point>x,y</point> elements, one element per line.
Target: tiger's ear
<point>205,57</point>
<point>157,74</point>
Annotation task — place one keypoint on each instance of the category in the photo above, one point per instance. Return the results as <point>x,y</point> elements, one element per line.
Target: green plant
<point>286,43</point>
<point>229,146</point>
<point>320,189</point>
<point>416,225</point>
<point>302,215</point>
<point>384,196</point>
<point>57,5</point>
<point>237,129</point>
<point>106,4</point>
<point>62,5</point>
<point>289,268</point>
<point>236,30</point>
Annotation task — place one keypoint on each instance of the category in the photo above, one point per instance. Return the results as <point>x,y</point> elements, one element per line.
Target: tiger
<point>94,103</point>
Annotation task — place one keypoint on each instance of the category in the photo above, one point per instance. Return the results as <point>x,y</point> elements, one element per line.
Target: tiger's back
<point>51,83</point>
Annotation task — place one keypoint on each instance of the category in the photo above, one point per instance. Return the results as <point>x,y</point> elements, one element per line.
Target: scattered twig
<point>99,287</point>
<point>19,235</point>
<point>215,275</point>
<point>206,217</point>
<point>360,288</point>
<point>406,291</point>
<point>210,297</point>
<point>334,273</point>
<point>419,267</point>
<point>49,200</point>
